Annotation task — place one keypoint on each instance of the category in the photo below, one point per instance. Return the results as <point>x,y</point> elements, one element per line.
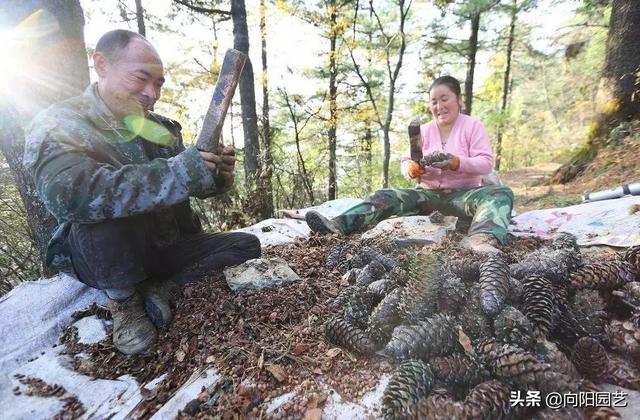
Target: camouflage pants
<point>489,208</point>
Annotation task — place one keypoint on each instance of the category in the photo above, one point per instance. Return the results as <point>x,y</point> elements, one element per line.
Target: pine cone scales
<point>494,285</point>
<point>632,256</point>
<point>359,307</point>
<point>385,317</point>
<point>411,381</point>
<point>619,373</point>
<point>453,294</point>
<point>344,334</point>
<point>472,319</point>
<point>604,275</point>
<point>579,322</point>
<point>458,369</point>
<point>565,413</point>
<point>466,268</point>
<point>370,273</point>
<point>488,400</point>
<point>512,327</point>
<point>549,353</point>
<point>624,337</point>
<point>539,305</point>
<point>597,413</point>
<point>438,407</point>
<point>525,372</point>
<point>420,294</point>
<point>565,240</point>
<point>432,337</point>
<point>553,264</point>
<point>590,357</point>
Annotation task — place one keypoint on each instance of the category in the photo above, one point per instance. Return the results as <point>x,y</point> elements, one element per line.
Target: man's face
<point>130,83</point>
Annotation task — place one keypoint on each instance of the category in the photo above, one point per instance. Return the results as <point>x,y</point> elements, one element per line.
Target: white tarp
<point>34,314</point>
<point>607,222</point>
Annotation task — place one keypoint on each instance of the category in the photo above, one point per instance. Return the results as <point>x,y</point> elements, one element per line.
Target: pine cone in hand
<point>411,381</point>
<point>344,334</point>
<point>432,337</point>
<point>604,275</point>
<point>494,284</point>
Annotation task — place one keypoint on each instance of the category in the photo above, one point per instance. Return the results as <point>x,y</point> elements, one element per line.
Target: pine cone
<point>411,381</point>
<point>382,287</point>
<point>549,353</point>
<point>630,294</point>
<point>466,267</point>
<point>432,337</point>
<point>488,400</point>
<point>487,349</point>
<point>339,303</point>
<point>632,256</point>
<point>624,337</point>
<point>494,284</point>
<point>370,273</point>
<point>367,254</point>
<point>341,333</point>
<point>525,372</point>
<point>419,297</point>
<point>438,407</point>
<point>385,317</point>
<point>597,413</point>
<point>553,264</point>
<point>581,321</point>
<point>359,307</point>
<point>453,294</point>
<point>472,319</point>
<point>566,240</point>
<point>565,413</point>
<point>458,369</point>
<point>621,374</point>
<point>539,304</point>
<point>590,358</point>
<point>603,275</point>
<point>399,276</point>
<point>512,327</point>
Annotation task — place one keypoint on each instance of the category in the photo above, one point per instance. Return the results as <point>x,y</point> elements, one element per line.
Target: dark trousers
<point>119,253</point>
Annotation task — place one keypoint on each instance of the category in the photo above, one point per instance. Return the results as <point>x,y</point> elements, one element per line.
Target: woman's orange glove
<point>415,170</point>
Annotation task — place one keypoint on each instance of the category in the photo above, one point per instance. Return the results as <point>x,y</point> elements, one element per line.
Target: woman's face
<point>444,105</point>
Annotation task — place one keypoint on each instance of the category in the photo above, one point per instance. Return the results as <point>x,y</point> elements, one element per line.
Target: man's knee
<point>249,244</point>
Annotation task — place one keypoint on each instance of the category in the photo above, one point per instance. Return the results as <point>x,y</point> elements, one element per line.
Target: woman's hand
<point>415,170</point>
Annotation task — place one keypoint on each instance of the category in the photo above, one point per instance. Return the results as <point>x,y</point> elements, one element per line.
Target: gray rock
<point>412,230</point>
<point>259,273</point>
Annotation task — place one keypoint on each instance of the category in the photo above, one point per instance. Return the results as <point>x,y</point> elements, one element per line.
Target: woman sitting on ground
<point>457,154</point>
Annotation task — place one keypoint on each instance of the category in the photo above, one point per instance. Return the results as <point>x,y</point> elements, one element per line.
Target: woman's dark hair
<point>450,82</point>
<point>114,42</point>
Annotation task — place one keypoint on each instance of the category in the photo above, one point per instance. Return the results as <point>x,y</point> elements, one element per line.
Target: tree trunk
<point>471,62</point>
<point>60,62</point>
<point>620,83</point>
<point>140,18</point>
<point>622,62</point>
<point>333,107</point>
<point>506,83</point>
<point>247,93</point>
<point>267,168</point>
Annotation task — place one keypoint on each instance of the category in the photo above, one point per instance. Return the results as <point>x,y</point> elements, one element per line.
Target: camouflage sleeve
<point>76,187</point>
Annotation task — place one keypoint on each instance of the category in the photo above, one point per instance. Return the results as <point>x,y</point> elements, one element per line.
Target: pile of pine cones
<point>466,330</point>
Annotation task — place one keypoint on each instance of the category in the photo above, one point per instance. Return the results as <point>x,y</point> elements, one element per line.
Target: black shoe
<point>320,224</point>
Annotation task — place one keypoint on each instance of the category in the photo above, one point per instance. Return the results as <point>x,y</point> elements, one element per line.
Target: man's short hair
<point>114,42</point>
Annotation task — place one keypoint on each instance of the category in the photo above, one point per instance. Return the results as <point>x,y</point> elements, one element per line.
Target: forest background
<point>323,105</point>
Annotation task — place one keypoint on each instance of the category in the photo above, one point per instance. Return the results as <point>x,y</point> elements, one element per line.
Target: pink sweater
<point>469,141</point>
